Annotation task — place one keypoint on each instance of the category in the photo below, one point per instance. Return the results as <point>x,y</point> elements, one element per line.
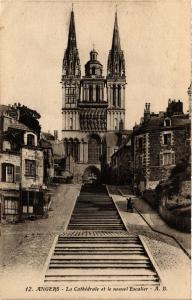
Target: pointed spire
<point>71,62</point>
<point>72,34</point>
<point>116,63</point>
<point>116,39</point>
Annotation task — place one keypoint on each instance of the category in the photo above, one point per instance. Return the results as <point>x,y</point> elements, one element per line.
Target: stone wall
<point>186,187</point>
<point>79,170</point>
<point>179,222</point>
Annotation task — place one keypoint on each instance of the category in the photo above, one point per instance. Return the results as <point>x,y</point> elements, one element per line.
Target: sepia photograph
<point>95,149</point>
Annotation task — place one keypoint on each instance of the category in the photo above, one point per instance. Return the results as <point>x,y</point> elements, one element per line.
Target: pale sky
<point>155,38</point>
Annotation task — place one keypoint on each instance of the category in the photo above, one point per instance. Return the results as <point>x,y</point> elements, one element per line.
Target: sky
<point>155,38</point>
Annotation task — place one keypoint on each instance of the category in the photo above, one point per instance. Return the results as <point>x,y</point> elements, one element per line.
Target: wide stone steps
<point>97,246</point>
<point>77,257</point>
<point>95,211</point>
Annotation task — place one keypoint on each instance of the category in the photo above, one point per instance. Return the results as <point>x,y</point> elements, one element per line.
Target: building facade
<point>121,166</point>
<point>156,145</point>
<point>93,105</point>
<point>159,142</point>
<point>21,165</point>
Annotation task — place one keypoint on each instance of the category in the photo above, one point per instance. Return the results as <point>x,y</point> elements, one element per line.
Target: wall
<point>186,187</point>
<point>179,222</point>
<point>37,181</point>
<point>79,170</point>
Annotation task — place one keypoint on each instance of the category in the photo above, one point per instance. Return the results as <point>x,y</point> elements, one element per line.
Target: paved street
<point>24,247</point>
<point>171,260</point>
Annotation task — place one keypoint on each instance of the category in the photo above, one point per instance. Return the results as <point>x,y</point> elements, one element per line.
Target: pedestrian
<point>129,204</point>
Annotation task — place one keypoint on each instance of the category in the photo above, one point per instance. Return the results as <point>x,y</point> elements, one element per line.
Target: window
<point>97,93</point>
<point>167,158</point>
<point>167,139</point>
<point>119,96</point>
<point>94,149</point>
<point>71,123</point>
<point>30,168</point>
<point>6,146</point>
<point>7,172</point>
<point>93,70</point>
<point>30,140</point>
<point>70,94</point>
<point>90,93</point>
<point>114,95</point>
<point>167,122</point>
<point>10,206</point>
<point>116,124</point>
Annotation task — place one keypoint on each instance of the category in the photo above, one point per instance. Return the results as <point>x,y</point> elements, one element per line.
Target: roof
<point>3,108</point>
<point>47,136</point>
<point>17,125</point>
<point>157,123</point>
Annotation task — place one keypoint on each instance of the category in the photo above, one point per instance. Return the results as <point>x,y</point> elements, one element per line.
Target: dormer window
<point>30,140</point>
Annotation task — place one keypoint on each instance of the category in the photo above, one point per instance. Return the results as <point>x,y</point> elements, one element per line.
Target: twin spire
<point>71,62</point>
<point>72,34</point>
<point>116,39</point>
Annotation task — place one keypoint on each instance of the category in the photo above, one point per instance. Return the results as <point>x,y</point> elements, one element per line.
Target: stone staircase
<point>95,210</point>
<point>97,246</point>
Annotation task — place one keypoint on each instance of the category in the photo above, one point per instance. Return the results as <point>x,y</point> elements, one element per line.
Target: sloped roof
<point>3,108</point>
<point>20,126</point>
<point>47,136</point>
<point>157,123</point>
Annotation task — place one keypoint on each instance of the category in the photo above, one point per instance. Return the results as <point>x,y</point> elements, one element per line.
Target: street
<point>26,246</point>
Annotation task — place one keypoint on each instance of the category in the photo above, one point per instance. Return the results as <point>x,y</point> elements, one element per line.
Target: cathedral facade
<point>93,106</point>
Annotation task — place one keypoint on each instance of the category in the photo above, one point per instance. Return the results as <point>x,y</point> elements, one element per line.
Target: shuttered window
<point>7,172</point>
<point>17,173</point>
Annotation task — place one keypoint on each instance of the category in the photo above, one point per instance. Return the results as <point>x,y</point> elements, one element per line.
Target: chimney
<point>147,112</point>
<point>56,134</point>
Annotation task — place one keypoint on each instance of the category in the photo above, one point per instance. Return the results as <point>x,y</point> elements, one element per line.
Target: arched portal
<point>91,175</point>
<point>94,149</point>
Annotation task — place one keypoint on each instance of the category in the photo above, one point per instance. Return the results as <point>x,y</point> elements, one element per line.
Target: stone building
<point>122,164</point>
<point>159,142</point>
<point>93,106</point>
<point>21,164</point>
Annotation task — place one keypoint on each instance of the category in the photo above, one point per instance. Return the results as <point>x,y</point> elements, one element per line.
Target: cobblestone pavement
<point>172,262</point>
<point>24,247</point>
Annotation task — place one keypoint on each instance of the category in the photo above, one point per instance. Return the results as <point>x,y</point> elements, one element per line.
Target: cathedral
<point>93,107</point>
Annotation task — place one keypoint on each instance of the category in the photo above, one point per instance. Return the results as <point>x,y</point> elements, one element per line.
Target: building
<point>122,164</point>
<point>93,106</point>
<point>58,168</point>
<point>159,142</point>
<point>21,164</point>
